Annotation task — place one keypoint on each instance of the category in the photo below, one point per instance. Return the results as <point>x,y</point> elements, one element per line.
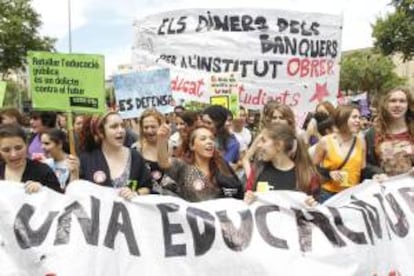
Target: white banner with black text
<point>366,230</point>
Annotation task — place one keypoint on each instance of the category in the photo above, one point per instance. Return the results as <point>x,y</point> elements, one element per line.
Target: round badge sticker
<point>156,175</point>
<point>198,185</point>
<point>99,177</point>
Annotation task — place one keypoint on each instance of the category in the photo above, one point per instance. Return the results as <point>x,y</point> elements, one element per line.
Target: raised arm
<point>250,154</point>
<point>163,134</point>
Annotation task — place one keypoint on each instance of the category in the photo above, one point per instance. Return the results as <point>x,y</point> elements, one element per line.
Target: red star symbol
<point>321,91</point>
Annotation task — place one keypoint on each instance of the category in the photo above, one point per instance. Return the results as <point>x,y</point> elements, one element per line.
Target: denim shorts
<point>325,195</point>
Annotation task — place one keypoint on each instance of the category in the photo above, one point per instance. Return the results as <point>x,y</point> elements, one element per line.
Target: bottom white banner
<point>366,230</point>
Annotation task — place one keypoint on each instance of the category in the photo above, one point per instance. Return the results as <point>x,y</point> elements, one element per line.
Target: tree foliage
<point>395,32</point>
<point>368,71</point>
<point>19,24</point>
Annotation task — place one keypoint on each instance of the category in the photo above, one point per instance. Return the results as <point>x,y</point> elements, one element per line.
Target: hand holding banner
<point>365,230</point>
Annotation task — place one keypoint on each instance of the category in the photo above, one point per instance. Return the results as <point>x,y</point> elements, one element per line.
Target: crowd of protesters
<point>212,153</point>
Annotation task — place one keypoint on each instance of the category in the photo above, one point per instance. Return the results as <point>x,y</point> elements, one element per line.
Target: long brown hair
<point>384,118</point>
<point>295,148</point>
<point>273,105</point>
<point>217,163</point>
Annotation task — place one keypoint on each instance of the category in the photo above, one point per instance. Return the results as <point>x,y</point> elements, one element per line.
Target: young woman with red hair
<point>106,161</point>
<point>203,174</point>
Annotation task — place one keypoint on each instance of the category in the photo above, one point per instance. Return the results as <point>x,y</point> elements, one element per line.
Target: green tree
<point>19,24</point>
<point>395,32</point>
<point>369,71</point>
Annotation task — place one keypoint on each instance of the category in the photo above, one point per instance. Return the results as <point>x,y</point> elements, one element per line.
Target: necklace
<point>342,142</point>
<point>201,173</point>
<point>202,180</point>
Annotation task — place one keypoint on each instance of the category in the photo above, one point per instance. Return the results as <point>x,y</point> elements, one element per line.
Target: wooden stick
<point>69,126</point>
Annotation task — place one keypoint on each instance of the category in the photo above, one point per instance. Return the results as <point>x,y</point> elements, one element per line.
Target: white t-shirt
<point>244,137</point>
<point>60,169</point>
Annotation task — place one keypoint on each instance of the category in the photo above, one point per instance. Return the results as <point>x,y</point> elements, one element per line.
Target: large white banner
<point>367,230</point>
<point>288,56</point>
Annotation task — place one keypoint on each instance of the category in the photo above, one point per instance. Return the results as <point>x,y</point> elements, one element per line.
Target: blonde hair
<point>150,112</point>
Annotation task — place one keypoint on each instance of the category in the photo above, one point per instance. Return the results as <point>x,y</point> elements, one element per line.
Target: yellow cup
<point>344,182</point>
<point>262,187</point>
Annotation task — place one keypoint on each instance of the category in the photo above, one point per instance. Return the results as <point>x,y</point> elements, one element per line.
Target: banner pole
<point>71,135</point>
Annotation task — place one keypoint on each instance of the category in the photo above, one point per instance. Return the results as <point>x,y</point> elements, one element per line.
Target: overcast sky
<point>105,27</point>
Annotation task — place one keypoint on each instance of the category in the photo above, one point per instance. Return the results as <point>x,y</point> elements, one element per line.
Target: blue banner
<point>138,91</point>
